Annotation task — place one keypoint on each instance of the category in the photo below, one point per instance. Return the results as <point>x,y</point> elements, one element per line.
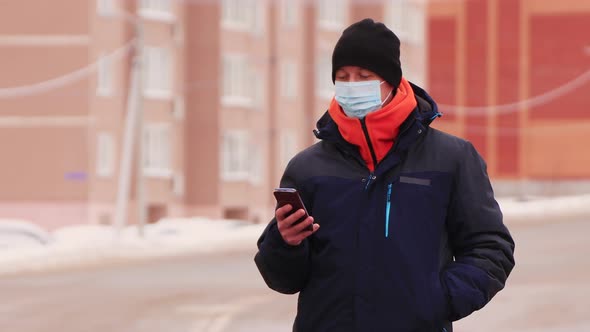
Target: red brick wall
<point>476,84</point>
<point>558,47</point>
<point>442,49</point>
<point>507,87</point>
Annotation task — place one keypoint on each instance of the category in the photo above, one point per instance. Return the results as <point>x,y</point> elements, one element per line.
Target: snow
<point>540,210</point>
<point>86,245</point>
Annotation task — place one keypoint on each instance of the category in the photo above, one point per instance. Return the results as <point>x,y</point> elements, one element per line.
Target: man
<point>407,235</point>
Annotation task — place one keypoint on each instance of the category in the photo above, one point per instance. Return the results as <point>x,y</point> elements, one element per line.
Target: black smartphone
<point>290,196</point>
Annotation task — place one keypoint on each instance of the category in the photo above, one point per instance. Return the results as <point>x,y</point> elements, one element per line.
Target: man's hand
<point>294,234</point>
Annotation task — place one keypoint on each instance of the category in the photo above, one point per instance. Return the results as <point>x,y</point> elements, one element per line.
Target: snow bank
<point>92,244</point>
<point>543,210</point>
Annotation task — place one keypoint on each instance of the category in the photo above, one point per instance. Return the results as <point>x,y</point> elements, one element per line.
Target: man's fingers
<point>303,225</point>
<point>298,233</point>
<point>282,212</point>
<point>315,228</point>
<point>293,233</point>
<point>289,220</point>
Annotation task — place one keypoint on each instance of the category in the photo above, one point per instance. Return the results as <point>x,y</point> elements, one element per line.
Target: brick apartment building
<point>231,89</point>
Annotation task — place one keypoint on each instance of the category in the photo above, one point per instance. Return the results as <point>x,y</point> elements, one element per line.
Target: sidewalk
<point>87,245</point>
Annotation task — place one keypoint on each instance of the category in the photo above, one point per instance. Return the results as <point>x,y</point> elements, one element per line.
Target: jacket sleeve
<point>481,244</point>
<point>284,268</point>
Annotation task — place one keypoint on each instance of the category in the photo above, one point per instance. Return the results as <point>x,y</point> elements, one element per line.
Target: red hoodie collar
<point>382,125</point>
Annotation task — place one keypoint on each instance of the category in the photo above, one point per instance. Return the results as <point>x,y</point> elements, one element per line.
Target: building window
<point>104,76</point>
<point>157,72</point>
<point>178,184</point>
<point>324,85</point>
<point>260,95</point>
<point>105,154</point>
<point>259,18</point>
<point>288,147</point>
<point>157,154</point>
<point>160,10</point>
<point>237,14</point>
<point>178,33</point>
<point>256,164</point>
<point>237,88</point>
<point>105,7</point>
<point>289,13</point>
<point>289,79</point>
<point>332,14</point>
<point>408,21</point>
<point>179,108</point>
<point>235,161</point>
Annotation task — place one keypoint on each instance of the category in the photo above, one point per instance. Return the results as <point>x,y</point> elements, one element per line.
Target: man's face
<point>358,74</point>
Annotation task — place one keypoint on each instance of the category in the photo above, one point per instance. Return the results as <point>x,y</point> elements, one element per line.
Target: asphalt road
<point>548,292</point>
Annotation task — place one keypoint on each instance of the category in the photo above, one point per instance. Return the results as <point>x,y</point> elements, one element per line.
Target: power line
<point>535,101</point>
<point>58,82</point>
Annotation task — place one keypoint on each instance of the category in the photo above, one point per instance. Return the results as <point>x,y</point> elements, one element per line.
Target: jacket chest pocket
<point>416,203</point>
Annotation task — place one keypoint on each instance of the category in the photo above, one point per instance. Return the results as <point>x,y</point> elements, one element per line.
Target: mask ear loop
<point>389,94</point>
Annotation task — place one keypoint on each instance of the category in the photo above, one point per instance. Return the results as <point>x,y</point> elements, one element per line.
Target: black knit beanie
<point>370,45</point>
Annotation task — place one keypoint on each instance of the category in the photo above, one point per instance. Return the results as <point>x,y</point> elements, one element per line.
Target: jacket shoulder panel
<point>323,159</point>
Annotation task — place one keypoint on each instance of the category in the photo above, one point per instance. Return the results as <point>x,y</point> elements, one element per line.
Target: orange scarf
<point>382,125</point>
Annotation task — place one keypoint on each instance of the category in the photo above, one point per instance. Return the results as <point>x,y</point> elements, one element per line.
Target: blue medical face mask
<point>358,99</point>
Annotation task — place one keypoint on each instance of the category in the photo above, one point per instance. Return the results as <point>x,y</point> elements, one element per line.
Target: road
<point>548,292</point>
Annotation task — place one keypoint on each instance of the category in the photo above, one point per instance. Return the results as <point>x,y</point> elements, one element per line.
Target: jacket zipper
<point>371,149</point>
<point>387,210</point>
<point>370,178</point>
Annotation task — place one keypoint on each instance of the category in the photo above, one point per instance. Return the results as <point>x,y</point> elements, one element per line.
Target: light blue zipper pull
<point>387,210</point>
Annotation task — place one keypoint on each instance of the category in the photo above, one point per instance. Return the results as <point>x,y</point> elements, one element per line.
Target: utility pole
<point>133,134</point>
<point>125,165</point>
<point>140,185</point>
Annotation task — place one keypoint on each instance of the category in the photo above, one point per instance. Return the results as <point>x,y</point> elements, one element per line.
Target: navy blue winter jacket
<point>412,246</point>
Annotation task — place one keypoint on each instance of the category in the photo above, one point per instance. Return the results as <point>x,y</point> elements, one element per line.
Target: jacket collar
<point>425,112</point>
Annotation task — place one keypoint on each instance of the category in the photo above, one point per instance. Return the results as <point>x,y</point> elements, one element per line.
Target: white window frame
<point>236,87</point>
<point>289,80</point>
<point>158,64</point>
<point>238,14</point>
<point>332,14</point>
<point>104,76</point>
<point>290,13</point>
<point>106,8</point>
<point>157,150</point>
<point>157,10</point>
<point>324,85</point>
<point>235,162</point>
<point>105,154</point>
